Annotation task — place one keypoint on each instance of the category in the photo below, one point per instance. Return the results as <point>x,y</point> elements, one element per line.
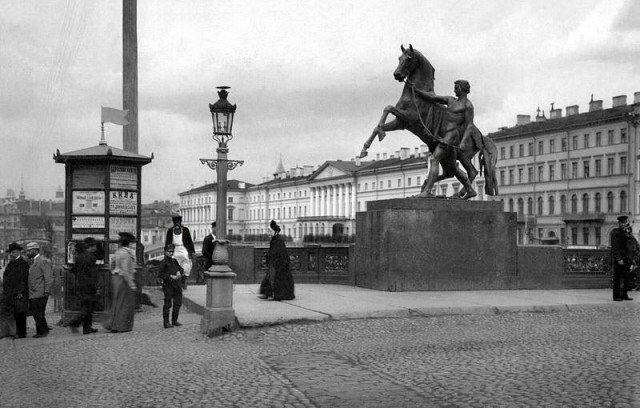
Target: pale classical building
<point>569,177</point>
<point>315,201</point>
<point>198,208</point>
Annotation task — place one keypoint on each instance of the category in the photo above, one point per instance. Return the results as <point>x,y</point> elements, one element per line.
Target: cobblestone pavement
<point>587,358</point>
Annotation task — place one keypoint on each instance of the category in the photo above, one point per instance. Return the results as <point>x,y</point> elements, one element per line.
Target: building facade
<point>569,177</point>
<point>320,201</point>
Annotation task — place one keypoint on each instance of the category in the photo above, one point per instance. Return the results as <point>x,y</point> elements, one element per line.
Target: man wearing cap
<point>16,288</point>
<point>624,248</point>
<point>40,282</point>
<point>172,276</point>
<point>208,245</point>
<point>180,237</point>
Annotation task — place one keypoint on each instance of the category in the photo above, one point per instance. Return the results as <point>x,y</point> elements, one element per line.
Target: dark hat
<point>176,216</point>
<point>169,247</point>
<point>623,218</point>
<point>274,226</point>
<point>127,236</point>
<point>213,224</point>
<point>14,246</point>
<point>90,241</point>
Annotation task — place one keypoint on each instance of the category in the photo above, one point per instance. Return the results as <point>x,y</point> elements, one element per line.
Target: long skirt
<point>123,306</point>
<point>278,284</point>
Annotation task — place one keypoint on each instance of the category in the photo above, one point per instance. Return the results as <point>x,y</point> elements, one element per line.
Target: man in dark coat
<point>87,274</point>
<point>172,276</point>
<point>624,248</point>
<point>16,288</point>
<point>208,246</point>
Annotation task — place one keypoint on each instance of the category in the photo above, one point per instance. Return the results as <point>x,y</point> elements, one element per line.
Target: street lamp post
<point>219,315</point>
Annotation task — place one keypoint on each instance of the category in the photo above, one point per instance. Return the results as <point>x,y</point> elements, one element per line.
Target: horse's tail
<point>488,158</point>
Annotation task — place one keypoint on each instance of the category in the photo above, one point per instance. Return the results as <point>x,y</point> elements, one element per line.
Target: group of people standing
<point>27,282</point>
<point>26,287</point>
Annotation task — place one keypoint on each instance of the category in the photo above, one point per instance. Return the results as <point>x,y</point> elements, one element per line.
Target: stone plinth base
<point>219,315</point>
<point>216,321</point>
<point>435,244</point>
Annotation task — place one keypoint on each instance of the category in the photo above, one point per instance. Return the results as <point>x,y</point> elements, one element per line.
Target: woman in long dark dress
<point>278,283</point>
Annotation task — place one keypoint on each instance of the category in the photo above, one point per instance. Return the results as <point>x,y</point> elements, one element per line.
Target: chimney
<point>358,161</point>
<point>522,119</point>
<point>620,100</point>
<point>307,170</point>
<point>541,118</point>
<point>416,152</point>
<point>377,156</point>
<point>555,113</point>
<point>636,97</point>
<point>572,110</point>
<point>384,156</point>
<point>404,153</point>
<point>595,105</point>
<point>397,153</point>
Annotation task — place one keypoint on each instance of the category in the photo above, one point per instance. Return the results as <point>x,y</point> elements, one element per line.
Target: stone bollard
<point>219,315</point>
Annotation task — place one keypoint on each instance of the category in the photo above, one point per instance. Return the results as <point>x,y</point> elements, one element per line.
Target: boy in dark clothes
<point>172,276</point>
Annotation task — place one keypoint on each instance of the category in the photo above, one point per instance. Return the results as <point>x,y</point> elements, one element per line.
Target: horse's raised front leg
<point>381,129</point>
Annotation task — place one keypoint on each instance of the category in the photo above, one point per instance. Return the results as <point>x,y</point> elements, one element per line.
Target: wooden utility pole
<point>130,74</point>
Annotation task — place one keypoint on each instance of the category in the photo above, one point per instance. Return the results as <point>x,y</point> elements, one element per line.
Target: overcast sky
<point>310,78</point>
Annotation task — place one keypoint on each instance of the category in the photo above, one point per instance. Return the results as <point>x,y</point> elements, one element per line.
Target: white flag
<point>116,116</point>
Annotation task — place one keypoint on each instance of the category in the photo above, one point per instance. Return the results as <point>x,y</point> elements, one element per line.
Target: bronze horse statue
<point>423,118</point>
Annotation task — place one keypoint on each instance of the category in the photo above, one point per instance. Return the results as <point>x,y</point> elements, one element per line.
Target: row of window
<point>276,213</point>
<point>577,171</point>
<point>278,196</point>
<point>300,231</point>
<point>564,144</point>
<point>201,200</point>
<point>519,204</point>
<point>389,184</point>
<point>586,235</point>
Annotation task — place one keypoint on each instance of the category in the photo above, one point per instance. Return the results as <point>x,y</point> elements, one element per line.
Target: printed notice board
<point>123,177</point>
<point>122,224</point>
<point>87,222</point>
<point>123,202</point>
<point>87,202</point>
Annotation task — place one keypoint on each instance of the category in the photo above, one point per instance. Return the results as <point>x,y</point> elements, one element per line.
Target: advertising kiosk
<point>102,198</point>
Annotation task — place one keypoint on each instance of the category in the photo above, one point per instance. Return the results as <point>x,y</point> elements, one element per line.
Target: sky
<point>310,78</point>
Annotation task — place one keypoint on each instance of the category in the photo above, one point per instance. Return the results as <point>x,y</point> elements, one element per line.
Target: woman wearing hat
<point>278,283</point>
<point>123,303</point>
<point>180,237</point>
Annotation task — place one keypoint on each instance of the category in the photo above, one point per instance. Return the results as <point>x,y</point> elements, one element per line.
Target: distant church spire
<point>280,168</point>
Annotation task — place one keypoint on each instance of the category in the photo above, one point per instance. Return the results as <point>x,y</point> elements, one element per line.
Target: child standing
<point>172,276</point>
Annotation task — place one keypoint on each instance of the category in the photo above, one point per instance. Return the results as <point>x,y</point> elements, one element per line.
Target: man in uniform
<point>624,248</point>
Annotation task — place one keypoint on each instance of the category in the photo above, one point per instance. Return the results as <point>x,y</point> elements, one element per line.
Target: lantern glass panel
<point>222,122</point>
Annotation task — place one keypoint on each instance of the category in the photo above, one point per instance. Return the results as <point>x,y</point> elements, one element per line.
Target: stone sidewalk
<point>319,302</point>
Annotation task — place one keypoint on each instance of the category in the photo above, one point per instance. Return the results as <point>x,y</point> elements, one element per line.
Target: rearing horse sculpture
<point>424,118</point>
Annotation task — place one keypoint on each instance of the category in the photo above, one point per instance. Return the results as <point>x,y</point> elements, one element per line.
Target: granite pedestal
<point>218,315</point>
<point>435,244</point>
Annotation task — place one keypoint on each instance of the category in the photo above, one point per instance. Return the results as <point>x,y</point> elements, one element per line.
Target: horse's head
<point>408,62</point>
